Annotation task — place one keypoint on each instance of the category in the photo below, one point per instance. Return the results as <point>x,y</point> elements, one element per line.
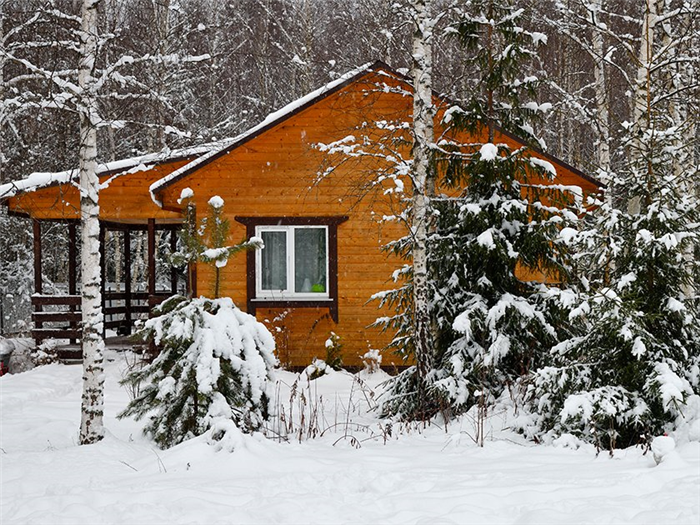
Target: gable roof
<point>202,155</point>
<point>299,105</point>
<point>272,120</point>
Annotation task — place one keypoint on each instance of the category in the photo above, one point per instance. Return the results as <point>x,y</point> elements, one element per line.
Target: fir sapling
<point>631,371</point>
<point>215,364</point>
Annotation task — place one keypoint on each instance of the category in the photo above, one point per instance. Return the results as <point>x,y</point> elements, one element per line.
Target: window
<point>298,268</point>
<point>293,263</point>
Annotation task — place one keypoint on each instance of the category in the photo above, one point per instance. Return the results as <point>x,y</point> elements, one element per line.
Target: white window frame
<point>289,293</point>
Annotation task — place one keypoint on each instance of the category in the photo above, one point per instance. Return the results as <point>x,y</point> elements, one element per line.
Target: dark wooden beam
<point>72,259</point>
<point>127,279</point>
<point>103,262</point>
<point>72,317</point>
<point>103,270</point>
<point>72,271</point>
<point>36,226</point>
<point>173,270</point>
<point>151,256</point>
<point>38,300</point>
<point>111,225</point>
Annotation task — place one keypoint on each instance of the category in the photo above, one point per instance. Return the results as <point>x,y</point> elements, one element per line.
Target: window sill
<point>325,302</point>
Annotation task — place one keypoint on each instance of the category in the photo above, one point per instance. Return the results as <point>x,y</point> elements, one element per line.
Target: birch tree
<point>92,407</point>
<point>83,83</point>
<point>423,189</point>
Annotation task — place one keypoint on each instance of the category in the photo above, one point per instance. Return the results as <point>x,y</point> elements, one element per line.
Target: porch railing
<point>59,316</point>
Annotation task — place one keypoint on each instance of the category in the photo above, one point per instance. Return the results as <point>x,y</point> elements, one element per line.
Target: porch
<point>126,297</point>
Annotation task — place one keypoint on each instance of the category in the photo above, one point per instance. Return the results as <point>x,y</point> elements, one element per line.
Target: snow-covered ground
<point>353,473</point>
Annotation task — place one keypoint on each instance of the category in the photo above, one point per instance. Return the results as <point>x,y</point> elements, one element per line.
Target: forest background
<point>214,69</point>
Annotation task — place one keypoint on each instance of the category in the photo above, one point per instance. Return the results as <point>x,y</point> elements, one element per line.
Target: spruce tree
<point>215,361</point>
<point>495,232</point>
<point>626,378</point>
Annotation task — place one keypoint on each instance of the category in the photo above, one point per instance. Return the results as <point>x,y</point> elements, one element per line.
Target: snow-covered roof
<point>271,120</point>
<point>206,153</point>
<point>201,155</point>
<point>39,180</point>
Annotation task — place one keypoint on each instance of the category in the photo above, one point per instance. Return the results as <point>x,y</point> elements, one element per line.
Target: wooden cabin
<point>319,216</point>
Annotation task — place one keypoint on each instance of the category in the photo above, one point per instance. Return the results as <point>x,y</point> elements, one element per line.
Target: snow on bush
<point>215,364</point>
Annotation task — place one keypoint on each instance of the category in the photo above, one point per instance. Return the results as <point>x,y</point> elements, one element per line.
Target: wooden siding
<point>274,174</point>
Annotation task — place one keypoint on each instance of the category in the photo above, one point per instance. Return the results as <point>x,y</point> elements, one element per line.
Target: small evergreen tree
<point>628,376</point>
<point>217,228</point>
<point>215,361</point>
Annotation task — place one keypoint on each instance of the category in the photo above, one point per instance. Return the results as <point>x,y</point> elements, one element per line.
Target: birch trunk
<point>91,427</point>
<point>601,90</point>
<point>423,186</point>
<point>641,110</point>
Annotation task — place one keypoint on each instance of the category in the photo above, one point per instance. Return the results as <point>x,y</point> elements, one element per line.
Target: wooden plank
<point>39,334</point>
<point>127,279</point>
<point>36,227</point>
<point>173,270</point>
<point>151,257</point>
<point>72,258</point>
<point>115,296</point>
<point>38,300</point>
<point>103,265</point>
<point>73,268</point>
<point>114,310</point>
<point>46,317</point>
<point>140,308</point>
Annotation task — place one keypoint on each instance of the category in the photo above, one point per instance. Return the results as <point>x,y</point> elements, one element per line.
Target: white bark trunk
<point>91,427</point>
<point>423,181</point>
<point>641,110</point>
<point>601,96</point>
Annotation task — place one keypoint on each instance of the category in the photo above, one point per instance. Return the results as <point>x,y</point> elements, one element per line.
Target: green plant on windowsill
<point>318,288</point>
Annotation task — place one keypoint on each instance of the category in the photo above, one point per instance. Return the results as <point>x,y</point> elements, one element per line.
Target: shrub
<point>215,364</point>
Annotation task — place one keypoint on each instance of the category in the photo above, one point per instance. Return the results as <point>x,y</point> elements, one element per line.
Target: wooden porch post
<point>103,274</point>
<point>36,227</point>
<point>127,279</point>
<point>173,270</point>
<point>72,269</point>
<point>72,259</point>
<point>151,261</point>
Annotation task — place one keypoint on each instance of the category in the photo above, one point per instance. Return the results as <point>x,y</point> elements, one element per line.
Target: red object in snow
<point>3,369</point>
